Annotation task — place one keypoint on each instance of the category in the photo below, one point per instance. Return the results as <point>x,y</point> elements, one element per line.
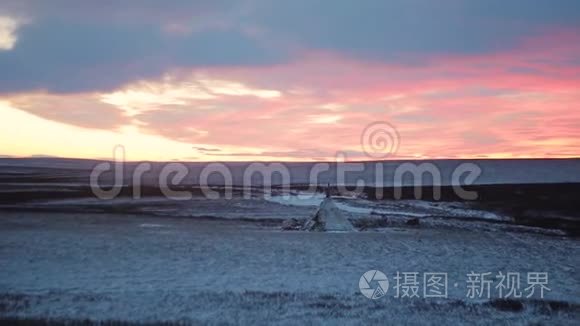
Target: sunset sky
<point>289,80</point>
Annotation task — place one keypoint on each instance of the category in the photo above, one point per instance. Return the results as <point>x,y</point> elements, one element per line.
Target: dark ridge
<point>548,206</point>
<point>16,321</point>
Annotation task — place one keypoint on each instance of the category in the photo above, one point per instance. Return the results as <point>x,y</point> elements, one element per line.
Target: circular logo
<point>373,284</point>
<point>379,140</point>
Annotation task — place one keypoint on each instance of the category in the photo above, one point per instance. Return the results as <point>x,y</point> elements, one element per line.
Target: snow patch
<point>299,199</point>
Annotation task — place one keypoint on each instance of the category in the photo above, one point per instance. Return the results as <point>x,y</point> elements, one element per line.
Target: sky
<point>293,80</point>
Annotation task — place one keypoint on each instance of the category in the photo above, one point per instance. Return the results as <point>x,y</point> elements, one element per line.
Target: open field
<point>131,268</point>
<point>69,258</point>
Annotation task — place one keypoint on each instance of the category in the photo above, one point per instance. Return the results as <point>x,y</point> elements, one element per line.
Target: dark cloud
<point>71,46</point>
<point>309,153</point>
<point>402,29</point>
<point>63,57</point>
<point>119,11</point>
<point>204,149</point>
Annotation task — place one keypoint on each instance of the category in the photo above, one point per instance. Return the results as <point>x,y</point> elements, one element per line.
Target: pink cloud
<point>519,103</point>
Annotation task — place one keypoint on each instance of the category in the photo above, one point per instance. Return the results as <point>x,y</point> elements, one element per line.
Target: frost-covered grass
<point>105,267</point>
<point>252,307</point>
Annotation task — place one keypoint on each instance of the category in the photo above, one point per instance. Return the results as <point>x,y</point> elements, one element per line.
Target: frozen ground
<point>66,256</point>
<point>392,208</point>
<point>297,205</point>
<point>136,268</point>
